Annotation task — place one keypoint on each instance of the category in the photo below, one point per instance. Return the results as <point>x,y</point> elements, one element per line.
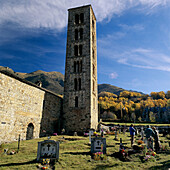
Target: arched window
<point>81,33</point>
<point>76,34</point>
<point>79,83</point>
<point>93,54</point>
<point>77,66</point>
<point>82,18</point>
<point>74,66</point>
<point>80,49</point>
<point>93,38</point>
<point>93,86</point>
<point>76,50</point>
<point>93,69</point>
<point>93,23</point>
<point>77,19</point>
<point>80,66</point>
<point>75,84</point>
<point>76,101</point>
<point>30,131</point>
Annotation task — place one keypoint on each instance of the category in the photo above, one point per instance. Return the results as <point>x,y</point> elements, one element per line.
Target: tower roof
<point>84,6</point>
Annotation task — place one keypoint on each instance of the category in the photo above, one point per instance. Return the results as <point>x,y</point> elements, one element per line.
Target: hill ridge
<point>54,81</point>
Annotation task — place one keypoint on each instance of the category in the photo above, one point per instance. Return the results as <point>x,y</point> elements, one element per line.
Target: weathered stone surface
<point>85,115</point>
<point>22,104</point>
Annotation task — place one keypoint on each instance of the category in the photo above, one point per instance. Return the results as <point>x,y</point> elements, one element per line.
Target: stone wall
<point>52,114</point>
<point>23,105</point>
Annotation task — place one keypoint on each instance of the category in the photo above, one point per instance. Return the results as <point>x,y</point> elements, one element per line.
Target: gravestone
<point>102,133</point>
<point>120,127</point>
<point>98,144</point>
<point>142,133</point>
<point>116,135</point>
<point>48,149</point>
<point>5,151</point>
<point>90,134</point>
<point>137,131</point>
<point>75,133</point>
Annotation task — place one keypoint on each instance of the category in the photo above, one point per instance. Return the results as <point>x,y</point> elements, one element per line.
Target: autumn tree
<point>168,94</point>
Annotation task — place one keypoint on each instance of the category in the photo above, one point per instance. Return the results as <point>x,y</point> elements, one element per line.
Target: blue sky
<point>133,39</point>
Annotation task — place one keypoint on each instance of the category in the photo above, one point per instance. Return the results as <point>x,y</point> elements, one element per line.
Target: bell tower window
<point>76,50</point>
<point>75,84</point>
<point>76,101</point>
<point>81,33</point>
<point>79,83</point>
<point>77,19</point>
<point>80,49</point>
<point>76,34</point>
<point>82,18</point>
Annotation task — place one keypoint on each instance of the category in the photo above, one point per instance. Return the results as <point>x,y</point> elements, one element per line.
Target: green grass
<point>135,124</point>
<point>75,155</point>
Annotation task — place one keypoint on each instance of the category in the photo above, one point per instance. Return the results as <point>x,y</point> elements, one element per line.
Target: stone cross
<point>48,146</point>
<point>102,133</point>
<point>116,135</point>
<point>90,134</point>
<point>142,133</point>
<point>120,129</point>
<point>121,144</point>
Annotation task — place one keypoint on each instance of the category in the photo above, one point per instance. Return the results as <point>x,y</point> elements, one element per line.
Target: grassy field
<point>75,155</point>
<point>135,124</point>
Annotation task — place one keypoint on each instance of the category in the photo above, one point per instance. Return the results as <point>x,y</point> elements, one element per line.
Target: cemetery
<point>89,145</point>
<point>104,149</point>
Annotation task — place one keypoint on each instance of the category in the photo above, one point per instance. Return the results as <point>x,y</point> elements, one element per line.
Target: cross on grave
<point>48,146</point>
<point>142,133</point>
<point>48,149</point>
<point>90,134</point>
<point>115,135</point>
<point>121,144</point>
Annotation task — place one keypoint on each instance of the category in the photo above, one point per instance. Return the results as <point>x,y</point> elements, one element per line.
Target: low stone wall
<point>26,109</point>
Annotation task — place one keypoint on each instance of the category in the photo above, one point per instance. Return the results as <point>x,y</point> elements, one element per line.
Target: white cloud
<point>53,13</point>
<point>145,58</point>
<point>113,75</point>
<point>137,27</point>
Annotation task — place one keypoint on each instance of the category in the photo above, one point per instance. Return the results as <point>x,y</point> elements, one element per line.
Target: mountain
<point>54,81</point>
<point>109,88</point>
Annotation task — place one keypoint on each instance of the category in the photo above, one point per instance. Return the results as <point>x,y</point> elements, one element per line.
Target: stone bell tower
<point>80,105</point>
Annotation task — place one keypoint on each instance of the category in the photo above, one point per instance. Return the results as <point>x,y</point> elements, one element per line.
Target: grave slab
<point>98,144</point>
<point>48,149</point>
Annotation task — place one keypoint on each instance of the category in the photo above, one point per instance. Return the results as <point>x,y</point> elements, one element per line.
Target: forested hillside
<point>133,106</point>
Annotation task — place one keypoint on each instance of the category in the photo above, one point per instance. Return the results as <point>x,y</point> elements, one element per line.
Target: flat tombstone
<point>98,144</point>
<point>48,149</point>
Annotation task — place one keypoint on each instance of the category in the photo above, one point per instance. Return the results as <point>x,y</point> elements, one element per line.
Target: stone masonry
<point>80,105</point>
<point>23,105</point>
